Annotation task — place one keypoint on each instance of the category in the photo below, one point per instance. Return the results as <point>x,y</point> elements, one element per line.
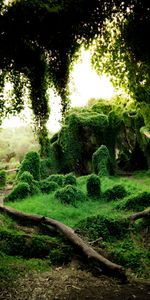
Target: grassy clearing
<point>49,206</point>
<point>96,218</point>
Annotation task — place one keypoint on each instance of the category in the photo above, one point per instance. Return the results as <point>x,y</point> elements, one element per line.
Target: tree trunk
<point>107,266</point>
<point>142,214</point>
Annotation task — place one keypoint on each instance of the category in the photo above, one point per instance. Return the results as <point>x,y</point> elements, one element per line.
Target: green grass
<point>127,250</point>
<point>47,205</point>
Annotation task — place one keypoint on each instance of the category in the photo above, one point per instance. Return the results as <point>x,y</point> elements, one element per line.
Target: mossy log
<point>104,264</point>
<point>142,214</point>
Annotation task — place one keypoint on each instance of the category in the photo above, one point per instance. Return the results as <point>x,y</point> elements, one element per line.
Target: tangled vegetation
<point>103,138</point>
<point>37,52</point>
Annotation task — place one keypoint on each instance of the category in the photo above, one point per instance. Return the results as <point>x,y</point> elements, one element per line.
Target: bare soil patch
<point>69,283</point>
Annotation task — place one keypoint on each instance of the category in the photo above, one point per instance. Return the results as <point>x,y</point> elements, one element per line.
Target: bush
<point>31,163</point>
<point>117,192</point>
<point>33,184</point>
<point>70,195</point>
<point>2,178</point>
<point>102,226</point>
<point>48,186</point>
<point>101,161</point>
<point>93,186</point>
<point>26,177</point>
<point>138,202</point>
<point>70,179</point>
<point>58,178</point>
<point>45,166</point>
<point>20,191</point>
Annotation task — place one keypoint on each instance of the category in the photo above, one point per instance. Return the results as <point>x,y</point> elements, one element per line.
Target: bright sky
<point>84,84</point>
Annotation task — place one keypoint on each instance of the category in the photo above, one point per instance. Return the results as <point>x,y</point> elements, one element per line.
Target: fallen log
<point>106,265</point>
<point>142,214</point>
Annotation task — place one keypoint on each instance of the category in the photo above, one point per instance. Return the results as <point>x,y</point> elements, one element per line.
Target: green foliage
<point>70,140</point>
<point>101,161</point>
<point>129,254</point>
<point>95,220</point>
<point>31,163</point>
<point>47,186</point>
<point>70,179</point>
<point>33,184</point>
<point>57,178</point>
<point>118,191</point>
<point>101,226</point>
<point>18,244</point>
<point>44,57</point>
<point>45,167</point>
<point>83,131</point>
<point>137,202</point>
<point>70,195</point>
<point>93,186</point>
<point>2,178</point>
<point>20,191</point>
<point>26,177</point>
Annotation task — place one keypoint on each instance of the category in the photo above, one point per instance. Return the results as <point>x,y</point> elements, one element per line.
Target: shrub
<point>129,255</point>
<point>2,178</point>
<point>20,191</point>
<point>33,184</point>
<point>31,163</point>
<point>117,192</point>
<point>101,161</point>
<point>70,195</point>
<point>102,226</point>
<point>70,179</point>
<point>45,165</point>
<point>48,186</point>
<point>138,202</point>
<point>26,177</point>
<point>58,178</point>
<point>93,186</point>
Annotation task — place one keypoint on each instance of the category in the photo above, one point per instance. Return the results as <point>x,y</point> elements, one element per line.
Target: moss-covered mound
<point>93,186</point>
<point>70,195</point>
<point>100,226</point>
<point>19,244</point>
<point>57,178</point>
<point>30,163</point>
<point>118,191</point>
<point>137,202</point>
<point>20,191</point>
<point>47,186</point>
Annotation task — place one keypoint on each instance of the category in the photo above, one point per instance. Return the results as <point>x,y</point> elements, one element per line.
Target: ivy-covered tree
<point>39,39</point>
<point>123,52</point>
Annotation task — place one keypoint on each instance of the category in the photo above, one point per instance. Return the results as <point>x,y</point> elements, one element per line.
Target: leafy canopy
<point>39,40</point>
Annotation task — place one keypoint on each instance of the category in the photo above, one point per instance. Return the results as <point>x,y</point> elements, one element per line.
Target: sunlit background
<point>84,85</point>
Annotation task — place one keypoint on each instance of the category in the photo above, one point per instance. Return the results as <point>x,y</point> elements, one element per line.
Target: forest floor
<point>71,283</point>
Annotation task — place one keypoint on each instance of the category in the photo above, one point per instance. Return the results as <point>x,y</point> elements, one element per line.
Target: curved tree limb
<point>93,256</point>
<point>142,214</point>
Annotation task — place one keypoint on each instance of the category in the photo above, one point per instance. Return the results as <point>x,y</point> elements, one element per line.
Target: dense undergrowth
<point>100,220</point>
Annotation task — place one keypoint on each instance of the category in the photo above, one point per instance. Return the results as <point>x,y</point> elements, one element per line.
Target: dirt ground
<point>69,283</point>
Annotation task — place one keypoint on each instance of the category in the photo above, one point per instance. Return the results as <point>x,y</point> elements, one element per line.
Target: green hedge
<point>70,195</point>
<point>31,163</point>
<point>93,186</point>
<point>20,191</point>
